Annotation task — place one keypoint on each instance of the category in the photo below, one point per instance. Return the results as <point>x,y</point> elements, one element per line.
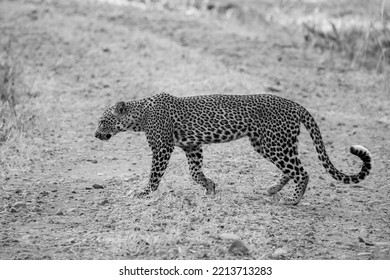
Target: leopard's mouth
<point>103,137</point>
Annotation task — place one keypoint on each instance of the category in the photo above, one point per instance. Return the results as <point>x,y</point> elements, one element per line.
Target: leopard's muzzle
<point>103,137</point>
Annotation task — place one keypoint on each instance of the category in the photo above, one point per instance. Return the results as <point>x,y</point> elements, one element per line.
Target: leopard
<point>272,124</point>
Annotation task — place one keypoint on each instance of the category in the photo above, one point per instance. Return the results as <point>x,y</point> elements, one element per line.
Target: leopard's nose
<point>103,137</point>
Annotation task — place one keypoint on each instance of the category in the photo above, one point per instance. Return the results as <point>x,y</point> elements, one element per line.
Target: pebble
<point>239,248</point>
<point>96,186</point>
<point>36,209</point>
<point>364,232</point>
<point>19,204</point>
<point>368,243</point>
<point>280,252</point>
<point>363,253</point>
<point>104,202</point>
<point>60,213</point>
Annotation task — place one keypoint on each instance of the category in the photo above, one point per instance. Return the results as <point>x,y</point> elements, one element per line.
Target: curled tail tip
<point>362,152</point>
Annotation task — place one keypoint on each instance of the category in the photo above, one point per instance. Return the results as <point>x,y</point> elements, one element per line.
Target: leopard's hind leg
<point>278,186</point>
<point>195,161</point>
<point>285,157</point>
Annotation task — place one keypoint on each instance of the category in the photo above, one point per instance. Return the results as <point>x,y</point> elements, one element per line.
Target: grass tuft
<point>10,72</point>
<point>364,47</point>
<point>16,116</point>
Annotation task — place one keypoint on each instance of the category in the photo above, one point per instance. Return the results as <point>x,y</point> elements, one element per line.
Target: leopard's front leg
<point>160,162</point>
<point>159,133</point>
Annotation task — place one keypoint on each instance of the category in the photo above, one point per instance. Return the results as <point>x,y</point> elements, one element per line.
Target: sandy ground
<point>80,58</point>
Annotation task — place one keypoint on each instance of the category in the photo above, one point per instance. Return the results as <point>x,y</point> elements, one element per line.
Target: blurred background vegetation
<point>358,30</point>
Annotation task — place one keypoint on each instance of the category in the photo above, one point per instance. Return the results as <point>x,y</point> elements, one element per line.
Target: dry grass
<point>10,75</point>
<point>16,110</point>
<point>364,47</point>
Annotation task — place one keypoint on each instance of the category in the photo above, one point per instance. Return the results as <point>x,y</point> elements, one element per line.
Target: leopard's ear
<point>120,108</point>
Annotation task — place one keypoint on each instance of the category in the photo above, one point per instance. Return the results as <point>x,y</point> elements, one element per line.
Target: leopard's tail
<point>357,150</point>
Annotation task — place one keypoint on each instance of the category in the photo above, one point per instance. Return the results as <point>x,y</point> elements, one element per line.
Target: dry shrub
<point>13,92</point>
<point>365,42</point>
<point>369,48</point>
<point>9,74</point>
<point>17,117</point>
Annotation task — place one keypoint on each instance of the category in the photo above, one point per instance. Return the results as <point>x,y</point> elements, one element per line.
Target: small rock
<point>228,236</point>
<point>273,89</point>
<point>179,250</point>
<point>299,254</point>
<point>36,209</point>
<point>44,193</point>
<point>280,252</point>
<point>92,160</point>
<point>104,202</point>
<point>363,233</point>
<point>96,186</point>
<point>12,210</point>
<point>60,213</point>
<point>19,204</point>
<point>238,248</point>
<point>368,243</point>
<point>128,179</point>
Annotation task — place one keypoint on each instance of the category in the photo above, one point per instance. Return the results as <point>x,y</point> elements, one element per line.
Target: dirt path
<point>86,57</point>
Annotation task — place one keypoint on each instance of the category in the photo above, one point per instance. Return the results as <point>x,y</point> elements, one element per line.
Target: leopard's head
<point>120,117</point>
